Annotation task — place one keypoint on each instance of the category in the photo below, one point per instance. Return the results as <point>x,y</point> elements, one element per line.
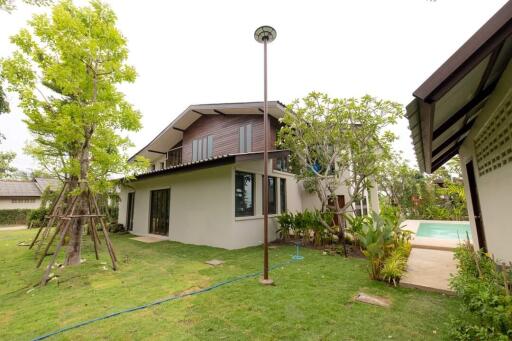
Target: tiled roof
<point>42,183</point>
<point>14,188</point>
<point>26,188</point>
<point>213,161</point>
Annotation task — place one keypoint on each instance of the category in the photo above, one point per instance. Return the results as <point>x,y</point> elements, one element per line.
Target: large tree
<point>337,142</point>
<point>66,71</point>
<point>6,170</point>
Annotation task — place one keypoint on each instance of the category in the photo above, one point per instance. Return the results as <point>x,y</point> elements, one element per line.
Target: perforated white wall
<point>493,144</point>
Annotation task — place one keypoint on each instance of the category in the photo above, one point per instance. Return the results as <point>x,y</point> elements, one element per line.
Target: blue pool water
<point>444,231</point>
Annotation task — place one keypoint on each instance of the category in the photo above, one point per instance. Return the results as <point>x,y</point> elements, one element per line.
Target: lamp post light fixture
<point>265,35</point>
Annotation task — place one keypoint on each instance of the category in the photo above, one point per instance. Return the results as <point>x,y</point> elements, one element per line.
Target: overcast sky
<point>192,52</point>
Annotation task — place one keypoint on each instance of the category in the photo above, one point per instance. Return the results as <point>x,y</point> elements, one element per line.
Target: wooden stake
<point>93,236</point>
<point>57,249</point>
<point>70,210</point>
<point>104,228</point>
<point>68,218</point>
<point>55,207</point>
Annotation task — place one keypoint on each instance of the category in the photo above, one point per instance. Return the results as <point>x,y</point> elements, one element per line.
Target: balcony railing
<point>174,157</point>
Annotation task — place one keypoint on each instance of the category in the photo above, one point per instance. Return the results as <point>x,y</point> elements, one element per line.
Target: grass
<point>312,299</point>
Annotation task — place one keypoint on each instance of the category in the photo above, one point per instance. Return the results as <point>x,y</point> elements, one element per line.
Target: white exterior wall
<point>200,206</point>
<point>494,188</point>
<point>7,204</point>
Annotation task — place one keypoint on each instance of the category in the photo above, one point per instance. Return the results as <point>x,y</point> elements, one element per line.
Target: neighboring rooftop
<point>27,188</point>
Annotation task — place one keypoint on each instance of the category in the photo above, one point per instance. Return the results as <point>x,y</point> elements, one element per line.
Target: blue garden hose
<point>164,300</point>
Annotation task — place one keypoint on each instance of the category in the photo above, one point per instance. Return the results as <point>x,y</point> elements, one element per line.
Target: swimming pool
<point>444,230</point>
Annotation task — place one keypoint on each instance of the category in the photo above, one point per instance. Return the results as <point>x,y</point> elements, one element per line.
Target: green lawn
<point>311,299</point>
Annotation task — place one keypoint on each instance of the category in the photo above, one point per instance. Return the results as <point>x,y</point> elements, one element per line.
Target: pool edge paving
<point>430,270</point>
<point>431,262</point>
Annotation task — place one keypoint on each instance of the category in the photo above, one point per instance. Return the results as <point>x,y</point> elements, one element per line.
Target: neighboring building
<point>465,107</point>
<point>205,182</point>
<point>24,194</point>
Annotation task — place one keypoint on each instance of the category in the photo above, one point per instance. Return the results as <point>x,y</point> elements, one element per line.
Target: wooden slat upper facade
<point>225,130</point>
<point>218,127</point>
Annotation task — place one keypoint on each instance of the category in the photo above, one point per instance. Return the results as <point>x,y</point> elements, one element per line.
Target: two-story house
<point>205,182</point>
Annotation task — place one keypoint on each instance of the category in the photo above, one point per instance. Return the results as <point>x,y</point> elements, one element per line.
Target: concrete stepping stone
<point>371,299</point>
<point>148,239</point>
<point>214,262</point>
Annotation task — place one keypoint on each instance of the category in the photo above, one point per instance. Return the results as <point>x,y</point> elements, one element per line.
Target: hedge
<point>12,217</point>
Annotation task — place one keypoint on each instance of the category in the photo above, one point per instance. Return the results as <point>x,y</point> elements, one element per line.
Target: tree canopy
<point>338,141</point>
<point>65,72</point>
<point>10,5</point>
<point>408,193</point>
<point>6,170</point>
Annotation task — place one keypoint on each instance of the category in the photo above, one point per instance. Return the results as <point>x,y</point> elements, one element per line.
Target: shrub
<point>485,292</point>
<point>306,226</point>
<point>36,217</point>
<point>14,216</point>
<point>355,225</point>
<point>395,265</point>
<point>386,245</point>
<point>286,223</point>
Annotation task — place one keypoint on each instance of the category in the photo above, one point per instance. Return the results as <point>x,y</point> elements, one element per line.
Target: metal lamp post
<point>265,35</point>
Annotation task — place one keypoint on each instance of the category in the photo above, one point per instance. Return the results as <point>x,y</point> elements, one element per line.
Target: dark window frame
<point>282,195</point>
<point>130,211</point>
<point>271,209</point>
<point>248,212</point>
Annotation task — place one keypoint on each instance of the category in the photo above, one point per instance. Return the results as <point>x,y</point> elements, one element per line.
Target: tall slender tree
<point>66,71</point>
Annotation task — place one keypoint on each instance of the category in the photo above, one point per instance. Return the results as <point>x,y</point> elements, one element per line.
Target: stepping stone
<point>148,239</point>
<point>214,262</point>
<point>374,300</point>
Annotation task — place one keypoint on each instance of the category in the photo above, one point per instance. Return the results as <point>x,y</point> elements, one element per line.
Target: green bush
<point>395,265</point>
<point>306,226</point>
<point>36,217</point>
<point>386,245</point>
<point>14,216</point>
<point>486,311</point>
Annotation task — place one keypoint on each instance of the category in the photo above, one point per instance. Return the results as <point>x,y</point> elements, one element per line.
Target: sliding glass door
<point>159,212</point>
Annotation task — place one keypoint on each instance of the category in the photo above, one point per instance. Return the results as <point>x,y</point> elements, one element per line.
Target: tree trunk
<point>342,228</point>
<point>75,244</point>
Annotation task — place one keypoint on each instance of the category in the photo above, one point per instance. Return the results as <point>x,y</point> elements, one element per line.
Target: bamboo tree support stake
<point>53,212</point>
<point>71,210</point>
<point>95,223</point>
<point>57,249</point>
<point>50,242</point>
<point>92,227</point>
<point>92,215</point>
<point>105,233</point>
<point>36,236</point>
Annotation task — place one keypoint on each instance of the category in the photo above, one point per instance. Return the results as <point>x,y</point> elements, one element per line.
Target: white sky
<point>192,52</point>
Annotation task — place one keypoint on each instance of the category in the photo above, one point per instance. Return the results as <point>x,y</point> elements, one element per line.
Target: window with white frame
<point>246,138</point>
<point>202,148</point>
